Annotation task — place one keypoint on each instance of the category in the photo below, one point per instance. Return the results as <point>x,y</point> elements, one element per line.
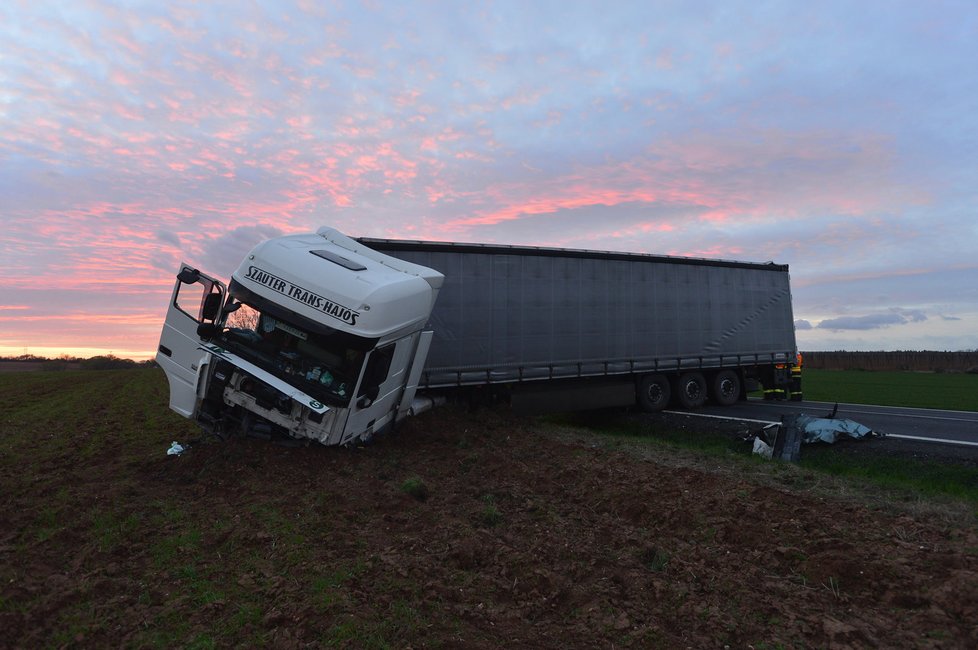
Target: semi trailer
<point>335,339</point>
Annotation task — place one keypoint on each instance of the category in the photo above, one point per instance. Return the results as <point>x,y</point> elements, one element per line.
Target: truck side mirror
<point>212,305</point>
<point>188,276</point>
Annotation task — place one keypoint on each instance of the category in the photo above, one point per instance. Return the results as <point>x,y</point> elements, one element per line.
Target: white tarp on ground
<point>831,429</point>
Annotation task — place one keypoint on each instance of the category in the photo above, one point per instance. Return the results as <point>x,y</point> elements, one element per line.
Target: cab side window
<point>190,299</point>
<point>377,368</point>
<point>199,298</point>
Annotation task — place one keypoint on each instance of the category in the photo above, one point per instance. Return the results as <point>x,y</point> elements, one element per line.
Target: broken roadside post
<point>787,444</point>
<point>780,441</point>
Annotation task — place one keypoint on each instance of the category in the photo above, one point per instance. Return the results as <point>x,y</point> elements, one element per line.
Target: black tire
<point>653,393</point>
<point>726,388</point>
<point>691,390</point>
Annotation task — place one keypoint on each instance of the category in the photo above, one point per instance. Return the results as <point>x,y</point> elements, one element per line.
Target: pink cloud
<point>235,131</point>
<point>717,179</point>
<point>121,79</point>
<point>138,138</point>
<point>407,98</point>
<point>128,44</point>
<point>127,112</point>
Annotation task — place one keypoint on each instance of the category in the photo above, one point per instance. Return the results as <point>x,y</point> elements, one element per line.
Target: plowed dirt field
<point>458,531</point>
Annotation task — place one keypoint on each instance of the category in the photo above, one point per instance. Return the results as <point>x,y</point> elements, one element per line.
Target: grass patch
<point>246,614</point>
<point>954,391</point>
<point>200,587</point>
<point>490,515</point>
<point>617,430</point>
<point>415,487</point>
<point>47,523</point>
<point>654,558</point>
<point>168,550</point>
<point>330,589</point>
<point>112,529</point>
<point>401,619</point>
<point>925,478</point>
<point>285,528</point>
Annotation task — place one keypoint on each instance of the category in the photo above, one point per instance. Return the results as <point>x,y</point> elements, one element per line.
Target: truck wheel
<point>652,393</point>
<point>726,387</point>
<point>691,390</point>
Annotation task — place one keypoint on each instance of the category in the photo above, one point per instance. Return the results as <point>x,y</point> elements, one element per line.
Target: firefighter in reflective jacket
<point>796,379</point>
<point>781,379</point>
<point>775,391</point>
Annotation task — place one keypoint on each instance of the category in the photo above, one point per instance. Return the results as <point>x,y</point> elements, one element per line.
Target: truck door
<point>197,300</point>
<point>381,386</point>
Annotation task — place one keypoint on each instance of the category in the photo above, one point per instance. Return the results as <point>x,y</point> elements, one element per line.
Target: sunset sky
<point>840,138</point>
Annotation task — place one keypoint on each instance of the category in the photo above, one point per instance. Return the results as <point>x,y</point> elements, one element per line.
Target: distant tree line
<point>908,360</point>
<point>66,362</point>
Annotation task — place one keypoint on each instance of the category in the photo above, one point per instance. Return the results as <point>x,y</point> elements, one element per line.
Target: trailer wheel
<point>691,391</point>
<point>652,393</point>
<point>726,387</point>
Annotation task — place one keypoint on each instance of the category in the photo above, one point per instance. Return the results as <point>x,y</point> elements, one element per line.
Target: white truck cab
<point>316,336</point>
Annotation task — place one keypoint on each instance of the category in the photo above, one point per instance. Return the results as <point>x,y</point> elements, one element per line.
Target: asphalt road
<point>918,425</point>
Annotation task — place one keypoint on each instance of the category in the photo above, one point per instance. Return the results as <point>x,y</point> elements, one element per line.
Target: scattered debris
<point>783,441</point>
<point>175,449</point>
<point>763,449</point>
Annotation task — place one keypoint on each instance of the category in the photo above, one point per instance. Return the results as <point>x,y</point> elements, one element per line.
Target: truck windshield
<point>322,365</point>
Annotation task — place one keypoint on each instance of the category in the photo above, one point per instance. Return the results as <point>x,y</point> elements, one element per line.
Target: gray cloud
<point>912,315</point>
<point>168,237</point>
<point>802,324</point>
<point>224,253</point>
<point>895,316</point>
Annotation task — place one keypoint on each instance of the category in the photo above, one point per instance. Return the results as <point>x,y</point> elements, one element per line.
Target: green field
<point>953,391</point>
